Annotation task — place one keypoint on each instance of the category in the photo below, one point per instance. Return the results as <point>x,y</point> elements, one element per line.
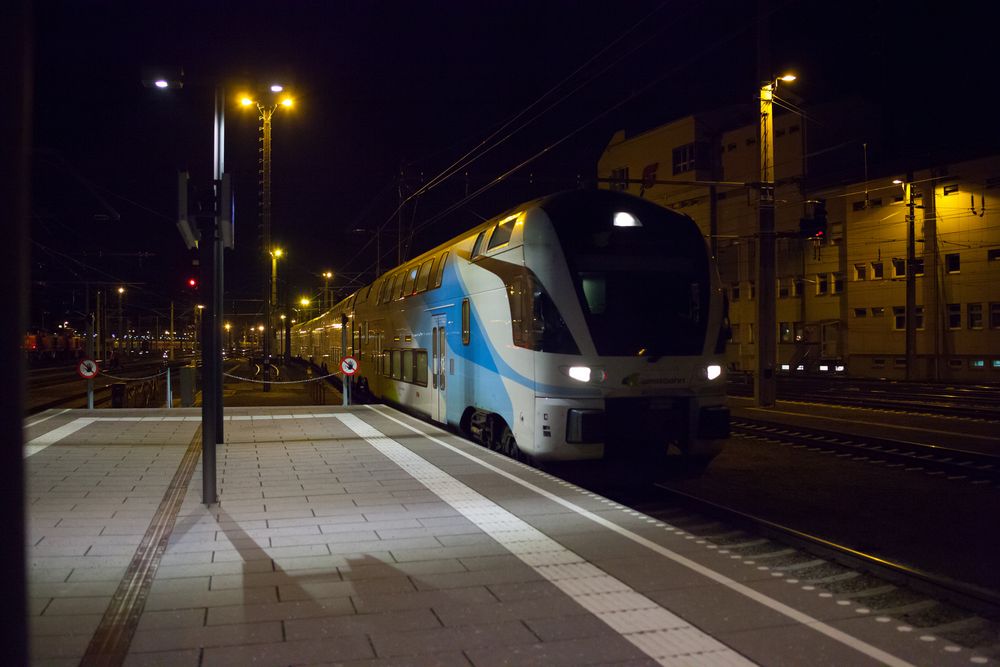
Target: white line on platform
<point>853,642</point>
<point>655,631</point>
<point>55,435</point>
<point>39,421</point>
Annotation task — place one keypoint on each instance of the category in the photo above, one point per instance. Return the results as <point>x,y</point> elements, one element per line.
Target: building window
<point>683,159</point>
<point>800,332</point>
<point>861,272</point>
<point>619,179</point>
<point>899,318</point>
<point>950,189</point>
<point>822,283</point>
<point>919,312</point>
<point>975,314</point>
<point>783,288</point>
<point>838,283</point>
<point>860,312</point>
<point>734,336</point>
<point>898,268</point>
<point>978,364</point>
<point>858,205</point>
<point>753,290</point>
<point>955,363</point>
<point>954,316</point>
<point>993,255</point>
<point>953,262</point>
<point>877,271</point>
<point>798,284</point>
<point>751,337</point>
<point>878,311</point>
<point>995,315</point>
<point>785,332</point>
<point>735,289</point>
<point>918,266</point>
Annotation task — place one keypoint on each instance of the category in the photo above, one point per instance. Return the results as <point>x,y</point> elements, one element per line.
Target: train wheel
<point>508,446</point>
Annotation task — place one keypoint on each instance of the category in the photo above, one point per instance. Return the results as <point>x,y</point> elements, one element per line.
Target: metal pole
<point>765,387</point>
<point>89,349</point>
<point>265,117</point>
<point>346,384</point>
<point>911,284</point>
<point>218,282</point>
<point>170,395</point>
<point>207,248</point>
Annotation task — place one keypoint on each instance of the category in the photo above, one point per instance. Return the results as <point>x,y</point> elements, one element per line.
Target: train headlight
<point>584,373</point>
<point>713,371</point>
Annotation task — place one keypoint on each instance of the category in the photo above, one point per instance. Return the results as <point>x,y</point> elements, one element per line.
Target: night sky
<point>390,88</point>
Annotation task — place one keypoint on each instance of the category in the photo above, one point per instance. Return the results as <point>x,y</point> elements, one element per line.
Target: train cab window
<point>477,247</point>
<point>424,276</point>
<point>440,269</point>
<point>501,234</point>
<point>409,282</point>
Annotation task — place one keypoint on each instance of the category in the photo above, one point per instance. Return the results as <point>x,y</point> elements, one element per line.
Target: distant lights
<point>277,88</point>
<point>625,219</point>
<point>161,83</point>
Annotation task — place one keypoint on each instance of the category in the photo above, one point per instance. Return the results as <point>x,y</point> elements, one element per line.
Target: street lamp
<point>266,109</point>
<point>765,382</point>
<point>229,335</point>
<point>304,302</point>
<point>326,289</point>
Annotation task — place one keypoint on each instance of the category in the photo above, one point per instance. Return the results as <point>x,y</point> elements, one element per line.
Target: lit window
<point>501,234</point>
<point>785,332</point>
<point>822,283</point>
<point>978,364</point>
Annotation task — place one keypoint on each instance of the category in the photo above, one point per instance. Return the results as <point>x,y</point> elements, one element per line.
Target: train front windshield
<point>641,273</point>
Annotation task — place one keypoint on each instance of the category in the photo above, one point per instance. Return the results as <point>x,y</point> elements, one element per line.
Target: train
<point>586,324</point>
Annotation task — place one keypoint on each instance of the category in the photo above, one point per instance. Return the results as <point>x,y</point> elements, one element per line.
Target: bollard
<point>118,395</point>
<point>187,386</point>
<point>170,393</point>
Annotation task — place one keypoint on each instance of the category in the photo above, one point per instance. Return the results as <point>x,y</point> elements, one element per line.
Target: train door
<point>439,367</point>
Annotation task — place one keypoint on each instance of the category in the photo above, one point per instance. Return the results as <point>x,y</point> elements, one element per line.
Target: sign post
<point>349,366</point>
<point>87,369</point>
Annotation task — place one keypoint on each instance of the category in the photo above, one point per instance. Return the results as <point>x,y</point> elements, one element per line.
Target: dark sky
<point>384,88</point>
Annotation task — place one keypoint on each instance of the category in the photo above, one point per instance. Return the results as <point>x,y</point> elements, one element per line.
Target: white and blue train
<point>577,326</point>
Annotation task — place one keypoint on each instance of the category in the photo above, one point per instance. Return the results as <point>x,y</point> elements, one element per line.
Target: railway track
<point>957,464</point>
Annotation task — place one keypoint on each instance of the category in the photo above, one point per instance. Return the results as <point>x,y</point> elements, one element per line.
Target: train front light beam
<point>585,373</point>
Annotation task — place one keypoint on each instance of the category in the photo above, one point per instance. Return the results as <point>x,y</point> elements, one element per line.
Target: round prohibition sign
<point>349,365</point>
<point>87,369</point>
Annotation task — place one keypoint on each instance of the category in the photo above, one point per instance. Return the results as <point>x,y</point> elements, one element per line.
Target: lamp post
<point>121,296</point>
<point>765,382</point>
<point>278,98</point>
<point>326,289</point>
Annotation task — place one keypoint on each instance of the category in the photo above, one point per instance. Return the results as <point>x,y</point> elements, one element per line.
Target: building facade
<point>841,297</point>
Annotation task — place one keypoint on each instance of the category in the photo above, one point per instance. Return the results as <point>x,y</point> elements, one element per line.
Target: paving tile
<point>304,590</point>
<point>202,637</point>
<point>43,647</point>
<point>281,654</point>
<point>599,650</point>
<point>172,618</point>
<point>164,601</point>
<point>436,640</point>
<point>186,658</point>
<point>81,605</point>
<point>281,611</point>
<point>361,624</point>
<point>77,624</point>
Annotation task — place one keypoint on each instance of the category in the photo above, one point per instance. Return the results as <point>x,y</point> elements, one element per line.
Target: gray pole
<point>346,384</point>
<point>89,349</point>
<point>265,183</point>
<point>764,379</point>
<point>911,284</point>
<point>209,354</point>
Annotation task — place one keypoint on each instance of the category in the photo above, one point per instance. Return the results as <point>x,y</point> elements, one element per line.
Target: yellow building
<point>841,299</point>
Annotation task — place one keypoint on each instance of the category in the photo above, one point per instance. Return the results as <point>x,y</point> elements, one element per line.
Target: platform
<point>361,536</point>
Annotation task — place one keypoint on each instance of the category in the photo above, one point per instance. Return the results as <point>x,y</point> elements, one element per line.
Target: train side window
<point>477,247</point>
<point>424,275</point>
<point>501,234</point>
<point>400,281</point>
<point>395,369</point>
<point>409,283</point>
<point>466,322</point>
<point>387,289</point>
<point>407,366</point>
<point>440,270</point>
<point>420,369</point>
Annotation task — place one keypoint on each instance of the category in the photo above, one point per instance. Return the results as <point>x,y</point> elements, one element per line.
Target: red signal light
<point>192,282</point>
